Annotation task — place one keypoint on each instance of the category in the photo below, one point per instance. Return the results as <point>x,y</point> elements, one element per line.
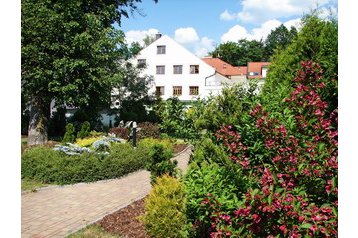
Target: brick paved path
<point>61,210</point>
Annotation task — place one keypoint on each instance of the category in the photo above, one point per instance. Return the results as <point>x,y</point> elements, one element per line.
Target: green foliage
<point>150,142</point>
<point>241,52</point>
<point>160,163</point>
<point>279,39</point>
<point>174,119</point>
<point>226,108</point>
<point>317,41</point>
<point>49,166</point>
<point>164,209</point>
<point>70,134</point>
<point>211,180</point>
<point>75,64</point>
<point>85,130</point>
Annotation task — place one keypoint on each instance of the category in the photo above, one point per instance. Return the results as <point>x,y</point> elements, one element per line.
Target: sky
<point>200,25</point>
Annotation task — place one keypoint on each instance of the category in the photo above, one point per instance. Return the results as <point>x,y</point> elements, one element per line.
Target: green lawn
<point>93,231</point>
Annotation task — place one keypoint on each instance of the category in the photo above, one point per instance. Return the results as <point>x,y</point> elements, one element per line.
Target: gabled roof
<point>224,68</point>
<point>256,67</point>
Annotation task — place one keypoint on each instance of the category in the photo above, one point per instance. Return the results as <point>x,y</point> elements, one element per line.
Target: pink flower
<point>283,229</point>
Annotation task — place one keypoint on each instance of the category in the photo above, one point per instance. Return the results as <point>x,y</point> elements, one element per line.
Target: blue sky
<point>199,25</point>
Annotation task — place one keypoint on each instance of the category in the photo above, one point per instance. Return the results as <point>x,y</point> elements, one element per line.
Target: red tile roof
<point>225,68</point>
<point>256,68</point>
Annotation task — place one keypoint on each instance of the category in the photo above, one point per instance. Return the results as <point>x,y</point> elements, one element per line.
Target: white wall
<point>177,55</point>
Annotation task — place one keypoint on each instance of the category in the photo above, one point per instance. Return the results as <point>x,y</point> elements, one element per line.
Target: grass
<point>32,185</point>
<point>93,231</point>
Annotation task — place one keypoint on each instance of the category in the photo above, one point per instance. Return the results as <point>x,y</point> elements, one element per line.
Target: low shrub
<point>87,142</point>
<point>148,129</point>
<point>160,162</point>
<point>120,132</point>
<point>85,130</point>
<point>50,166</point>
<point>164,209</point>
<point>150,142</point>
<point>210,180</point>
<point>70,134</point>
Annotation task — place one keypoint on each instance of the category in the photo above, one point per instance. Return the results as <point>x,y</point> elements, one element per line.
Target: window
<point>177,90</point>
<point>193,90</point>
<point>159,91</point>
<point>194,69</point>
<point>160,69</point>
<point>161,49</point>
<point>141,63</point>
<point>178,69</point>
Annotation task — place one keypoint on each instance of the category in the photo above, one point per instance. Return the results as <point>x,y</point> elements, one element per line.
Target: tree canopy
<point>243,51</point>
<point>70,52</point>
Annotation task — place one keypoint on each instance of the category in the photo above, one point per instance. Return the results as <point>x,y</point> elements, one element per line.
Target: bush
<point>160,162</point>
<point>85,130</point>
<point>291,166</point>
<point>164,209</point>
<point>210,180</point>
<point>119,132</point>
<point>70,134</point>
<point>49,166</point>
<point>148,129</point>
<point>150,142</point>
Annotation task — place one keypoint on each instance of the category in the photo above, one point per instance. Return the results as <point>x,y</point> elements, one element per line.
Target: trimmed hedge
<point>49,166</point>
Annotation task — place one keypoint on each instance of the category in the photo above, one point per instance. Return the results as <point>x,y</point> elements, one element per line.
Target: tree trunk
<point>39,116</point>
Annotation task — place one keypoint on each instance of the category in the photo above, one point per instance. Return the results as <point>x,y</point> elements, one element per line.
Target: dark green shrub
<point>70,134</point>
<point>160,163</point>
<point>85,130</point>
<point>49,166</point>
<point>164,209</point>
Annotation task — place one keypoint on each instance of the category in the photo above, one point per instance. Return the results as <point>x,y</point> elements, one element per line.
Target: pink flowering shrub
<point>293,165</point>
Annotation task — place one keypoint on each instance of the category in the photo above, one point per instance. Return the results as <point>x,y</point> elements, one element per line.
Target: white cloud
<point>294,22</point>
<point>190,39</point>
<point>234,34</point>
<point>186,35</point>
<point>226,16</point>
<point>238,32</point>
<point>258,11</point>
<point>138,36</point>
<point>204,47</point>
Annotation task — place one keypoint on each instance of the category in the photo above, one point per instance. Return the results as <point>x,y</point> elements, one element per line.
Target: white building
<point>179,73</point>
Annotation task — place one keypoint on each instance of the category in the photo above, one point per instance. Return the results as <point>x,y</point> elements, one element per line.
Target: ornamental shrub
<point>70,134</point>
<point>164,209</point>
<point>292,166</point>
<point>50,166</point>
<point>85,130</point>
<point>160,163</point>
<point>148,129</point>
<point>119,132</point>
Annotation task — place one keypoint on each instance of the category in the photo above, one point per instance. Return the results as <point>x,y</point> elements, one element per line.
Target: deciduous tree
<point>69,51</point>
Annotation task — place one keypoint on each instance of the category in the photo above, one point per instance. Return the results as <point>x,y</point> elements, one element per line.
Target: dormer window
<point>161,49</point>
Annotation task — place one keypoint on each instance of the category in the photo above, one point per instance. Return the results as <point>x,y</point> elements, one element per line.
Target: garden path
<point>58,211</point>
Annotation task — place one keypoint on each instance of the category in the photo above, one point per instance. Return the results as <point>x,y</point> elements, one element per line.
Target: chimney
<point>157,36</point>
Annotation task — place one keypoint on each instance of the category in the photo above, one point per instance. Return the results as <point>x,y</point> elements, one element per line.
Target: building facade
<point>177,72</point>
